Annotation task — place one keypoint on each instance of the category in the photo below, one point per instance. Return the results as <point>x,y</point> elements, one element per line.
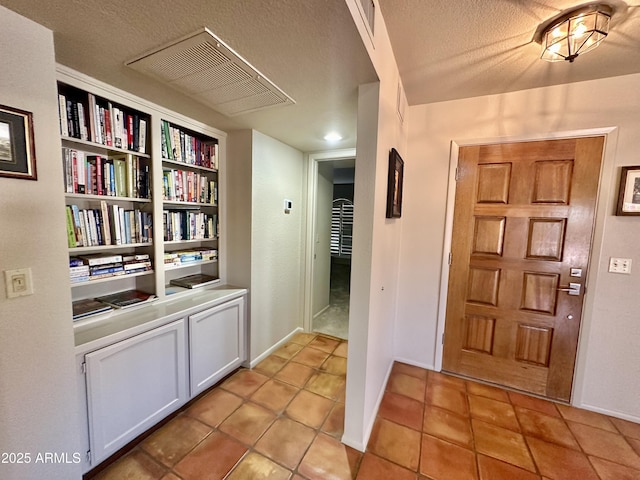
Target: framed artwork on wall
<point>629,191</point>
<point>394,186</point>
<point>17,150</point>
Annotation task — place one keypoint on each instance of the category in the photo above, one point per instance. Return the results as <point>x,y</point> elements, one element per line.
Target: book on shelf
<point>98,259</point>
<point>142,136</point>
<point>62,112</point>
<point>184,257</point>
<point>179,145</point>
<point>136,263</point>
<point>109,225</point>
<point>89,306</point>
<point>79,274</point>
<point>71,233</point>
<point>110,269</point>
<point>93,119</point>
<point>122,175</point>
<point>184,186</point>
<point>82,122</point>
<point>78,270</point>
<point>128,298</point>
<point>188,225</point>
<point>87,117</point>
<point>194,281</point>
<point>94,267</point>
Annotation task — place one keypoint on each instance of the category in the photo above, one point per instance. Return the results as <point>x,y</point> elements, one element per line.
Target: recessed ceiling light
<point>333,137</point>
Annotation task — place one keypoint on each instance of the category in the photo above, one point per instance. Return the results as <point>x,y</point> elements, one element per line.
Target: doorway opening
<point>331,189</point>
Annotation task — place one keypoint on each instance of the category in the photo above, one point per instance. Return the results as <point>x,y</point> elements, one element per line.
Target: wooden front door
<point>523,223</point>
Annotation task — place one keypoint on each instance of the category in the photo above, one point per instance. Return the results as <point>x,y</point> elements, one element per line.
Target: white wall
<point>374,278</point>
<point>238,199</point>
<point>38,408</point>
<point>277,248</point>
<point>322,240</point>
<point>608,372</point>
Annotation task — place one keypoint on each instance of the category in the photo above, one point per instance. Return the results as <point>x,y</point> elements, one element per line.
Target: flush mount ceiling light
<point>332,137</point>
<point>574,32</point>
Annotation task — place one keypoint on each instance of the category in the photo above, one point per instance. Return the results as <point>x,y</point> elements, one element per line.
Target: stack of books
<point>93,267</point>
<point>78,270</point>
<point>184,257</point>
<point>136,263</point>
<point>103,266</point>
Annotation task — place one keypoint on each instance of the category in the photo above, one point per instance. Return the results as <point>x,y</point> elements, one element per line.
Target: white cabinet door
<point>216,343</point>
<point>133,384</point>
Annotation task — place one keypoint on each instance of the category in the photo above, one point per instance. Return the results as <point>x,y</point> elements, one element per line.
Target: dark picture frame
<point>629,191</point>
<point>394,185</point>
<point>17,149</point>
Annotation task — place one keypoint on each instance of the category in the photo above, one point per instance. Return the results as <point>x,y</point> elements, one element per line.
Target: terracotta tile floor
<point>284,420</point>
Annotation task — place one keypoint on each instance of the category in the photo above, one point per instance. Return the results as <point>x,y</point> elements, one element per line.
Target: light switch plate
<point>620,265</point>
<point>18,282</point>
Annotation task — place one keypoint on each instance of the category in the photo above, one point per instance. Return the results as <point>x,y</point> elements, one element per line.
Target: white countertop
<point>117,325</point>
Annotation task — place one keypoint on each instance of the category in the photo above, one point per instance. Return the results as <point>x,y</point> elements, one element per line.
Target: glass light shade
<point>574,34</point>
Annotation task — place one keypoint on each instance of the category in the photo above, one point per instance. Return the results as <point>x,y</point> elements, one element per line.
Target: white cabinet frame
<point>133,384</point>
<point>216,343</point>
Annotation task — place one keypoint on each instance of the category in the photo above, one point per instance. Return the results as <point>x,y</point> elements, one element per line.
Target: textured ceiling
<point>310,49</point>
<point>484,47</point>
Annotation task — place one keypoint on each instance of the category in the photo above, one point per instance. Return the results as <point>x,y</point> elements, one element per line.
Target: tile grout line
<point>317,431</point>
<point>524,436</point>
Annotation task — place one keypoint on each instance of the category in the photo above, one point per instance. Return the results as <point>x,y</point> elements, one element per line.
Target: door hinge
<point>88,456</point>
<point>450,258</point>
<point>457,177</point>
<point>83,368</point>
<point>443,339</point>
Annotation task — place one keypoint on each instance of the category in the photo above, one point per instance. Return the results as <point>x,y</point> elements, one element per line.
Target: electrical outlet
<point>18,282</point>
<point>620,265</point>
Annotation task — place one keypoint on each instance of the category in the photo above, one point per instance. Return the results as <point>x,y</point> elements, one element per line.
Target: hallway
<point>334,321</point>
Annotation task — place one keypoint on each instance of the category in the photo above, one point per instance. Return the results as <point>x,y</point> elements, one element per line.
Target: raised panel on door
<point>216,343</point>
<point>523,219</point>
<point>133,384</point>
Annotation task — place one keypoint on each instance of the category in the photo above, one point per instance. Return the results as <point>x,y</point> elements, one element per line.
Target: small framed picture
<point>394,186</point>
<point>17,150</point>
<point>629,191</point>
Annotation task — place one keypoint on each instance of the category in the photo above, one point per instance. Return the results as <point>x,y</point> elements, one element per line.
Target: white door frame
<point>310,233</point>
<point>603,206</point>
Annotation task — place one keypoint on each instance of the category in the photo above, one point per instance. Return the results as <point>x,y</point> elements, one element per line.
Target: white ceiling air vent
<point>205,68</point>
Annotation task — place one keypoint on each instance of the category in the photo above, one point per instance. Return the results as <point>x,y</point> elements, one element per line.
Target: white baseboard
<point>322,311</point>
<point>415,364</point>
<point>362,446</point>
<point>353,444</point>
<point>610,413</point>
<point>275,347</point>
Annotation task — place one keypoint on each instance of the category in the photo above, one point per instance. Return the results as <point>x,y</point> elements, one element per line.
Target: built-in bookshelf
<point>141,185</point>
<point>190,220</point>
<point>108,192</point>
